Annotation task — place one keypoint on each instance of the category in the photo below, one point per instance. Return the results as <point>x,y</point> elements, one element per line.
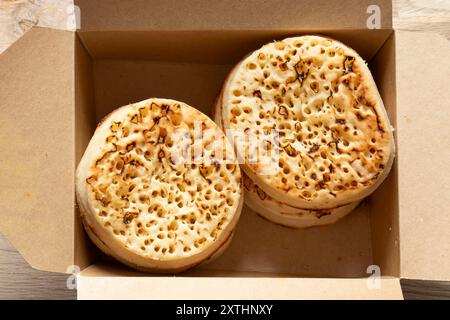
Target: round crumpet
<point>147,198</point>
<point>313,103</point>
<point>286,215</point>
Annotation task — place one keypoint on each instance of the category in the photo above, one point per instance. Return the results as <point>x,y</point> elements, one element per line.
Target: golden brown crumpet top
<point>145,202</point>
<point>336,143</point>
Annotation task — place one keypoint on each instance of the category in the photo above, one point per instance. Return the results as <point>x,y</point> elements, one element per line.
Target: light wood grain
<point>423,15</point>
<point>19,281</point>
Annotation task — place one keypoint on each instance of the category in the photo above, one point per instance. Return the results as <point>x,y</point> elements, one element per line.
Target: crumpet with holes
<point>148,202</point>
<point>335,141</point>
<point>283,214</point>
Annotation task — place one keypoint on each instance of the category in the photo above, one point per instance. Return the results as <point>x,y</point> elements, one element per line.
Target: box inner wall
<point>127,67</point>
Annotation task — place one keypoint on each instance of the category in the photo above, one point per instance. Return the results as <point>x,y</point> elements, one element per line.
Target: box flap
<point>102,282</point>
<point>144,15</point>
<point>37,139</point>
<point>423,137</point>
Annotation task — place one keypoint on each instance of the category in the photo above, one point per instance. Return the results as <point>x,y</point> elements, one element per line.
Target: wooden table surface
<point>18,280</point>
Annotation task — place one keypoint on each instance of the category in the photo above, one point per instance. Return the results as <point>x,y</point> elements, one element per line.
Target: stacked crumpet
<point>142,198</point>
<point>311,104</point>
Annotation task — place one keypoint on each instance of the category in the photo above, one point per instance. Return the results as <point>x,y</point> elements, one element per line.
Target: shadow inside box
<point>260,248</point>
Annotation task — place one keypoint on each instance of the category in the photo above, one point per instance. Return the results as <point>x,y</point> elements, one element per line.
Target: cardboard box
<point>56,85</point>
